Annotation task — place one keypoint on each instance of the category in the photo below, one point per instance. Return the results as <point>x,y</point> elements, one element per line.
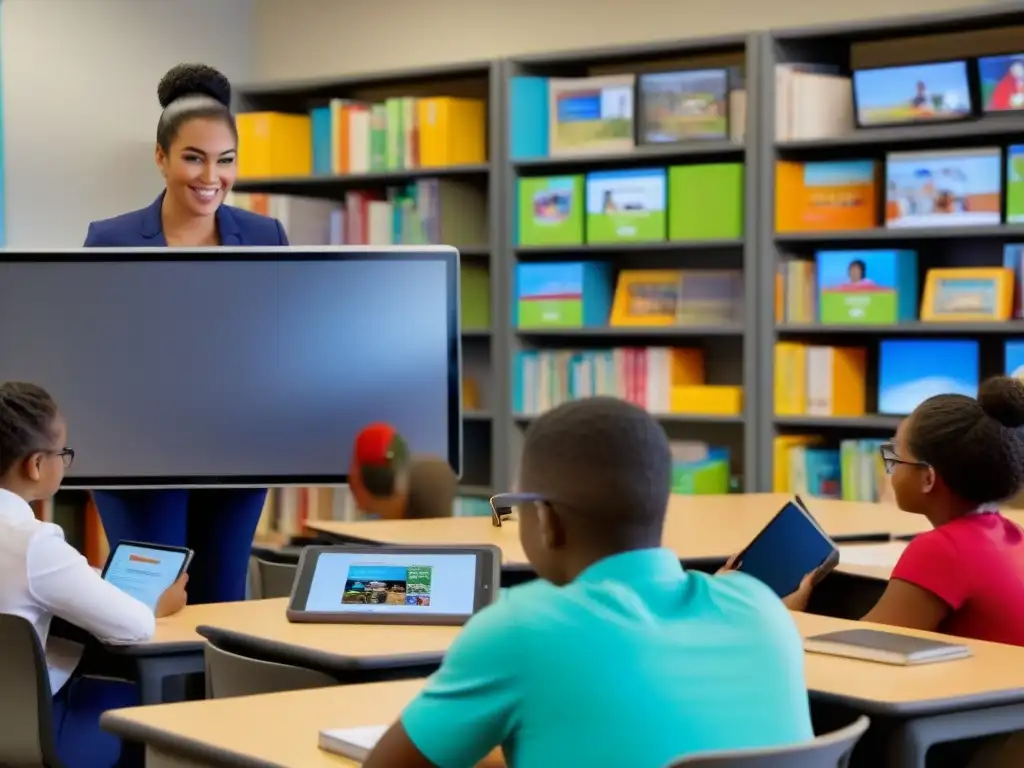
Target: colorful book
<point>549,210</point>
<point>1015,183</point>
<point>705,201</point>
<point>563,295</point>
<point>866,287</point>
<point>590,115</point>
<point>826,196</point>
<point>626,206</point>
<point>528,117</point>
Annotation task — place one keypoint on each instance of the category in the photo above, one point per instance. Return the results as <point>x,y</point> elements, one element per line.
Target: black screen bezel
<point>148,545</point>
<point>446,255</point>
<point>486,586</point>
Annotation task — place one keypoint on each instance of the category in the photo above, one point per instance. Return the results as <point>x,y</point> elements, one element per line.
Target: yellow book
<point>274,144</point>
<point>836,381</point>
<point>781,455</point>
<point>451,131</point>
<point>790,378</point>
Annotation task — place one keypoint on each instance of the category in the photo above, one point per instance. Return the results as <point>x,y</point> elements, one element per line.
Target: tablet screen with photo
<point>915,93</point>
<point>421,584</point>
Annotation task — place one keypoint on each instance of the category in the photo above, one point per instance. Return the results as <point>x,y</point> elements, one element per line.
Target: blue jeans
<point>76,721</point>
<point>219,524</point>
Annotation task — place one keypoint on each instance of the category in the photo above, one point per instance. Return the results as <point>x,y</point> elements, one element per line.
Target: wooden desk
<point>260,629</point>
<point>278,729</point>
<point>696,527</point>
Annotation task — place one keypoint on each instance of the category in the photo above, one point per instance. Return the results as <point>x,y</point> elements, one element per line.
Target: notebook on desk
<point>885,647</point>
<point>353,743</point>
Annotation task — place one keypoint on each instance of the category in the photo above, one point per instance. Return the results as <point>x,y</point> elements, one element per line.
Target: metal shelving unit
<point>730,351</point>
<point>483,355</point>
<point>937,247</point>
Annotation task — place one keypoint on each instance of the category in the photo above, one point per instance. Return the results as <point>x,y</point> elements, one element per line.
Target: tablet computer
<point>394,585</point>
<point>787,549</point>
<point>144,571</point>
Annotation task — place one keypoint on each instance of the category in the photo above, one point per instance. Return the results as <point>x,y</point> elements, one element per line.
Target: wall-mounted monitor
<point>235,367</point>
<point>918,93</point>
<point>1001,80</point>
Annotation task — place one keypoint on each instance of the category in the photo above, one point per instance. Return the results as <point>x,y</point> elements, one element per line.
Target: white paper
<point>365,737</point>
<point>878,555</point>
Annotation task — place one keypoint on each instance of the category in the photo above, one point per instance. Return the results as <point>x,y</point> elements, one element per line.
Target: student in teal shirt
<point>616,655</point>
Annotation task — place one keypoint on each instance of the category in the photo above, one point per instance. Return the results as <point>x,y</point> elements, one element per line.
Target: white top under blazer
<point>42,576</point>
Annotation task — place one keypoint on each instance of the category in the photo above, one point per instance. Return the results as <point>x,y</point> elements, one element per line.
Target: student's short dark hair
<point>27,415</point>
<point>189,92</point>
<point>975,445</point>
<point>858,263</point>
<point>600,456</point>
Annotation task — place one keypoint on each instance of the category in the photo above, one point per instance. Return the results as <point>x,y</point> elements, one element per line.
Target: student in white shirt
<point>42,576</point>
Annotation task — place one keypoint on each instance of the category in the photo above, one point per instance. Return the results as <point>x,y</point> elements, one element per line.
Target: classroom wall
<point>310,38</point>
<point>79,102</point>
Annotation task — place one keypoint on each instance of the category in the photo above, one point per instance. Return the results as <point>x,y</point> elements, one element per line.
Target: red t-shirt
<point>975,564</point>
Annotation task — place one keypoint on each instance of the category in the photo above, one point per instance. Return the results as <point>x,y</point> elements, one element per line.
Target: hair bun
<point>1002,398</point>
<point>192,80</point>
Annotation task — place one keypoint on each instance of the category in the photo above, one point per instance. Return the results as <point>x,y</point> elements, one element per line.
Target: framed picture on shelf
<point>952,295</point>
<point>1001,83</point>
<point>917,93</point>
<point>591,115</point>
<point>647,297</point>
<point>954,188</point>
<point>685,105</point>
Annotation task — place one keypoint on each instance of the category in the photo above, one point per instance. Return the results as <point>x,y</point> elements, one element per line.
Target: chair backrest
<point>26,704</point>
<point>228,674</point>
<point>832,750</point>
<point>275,579</point>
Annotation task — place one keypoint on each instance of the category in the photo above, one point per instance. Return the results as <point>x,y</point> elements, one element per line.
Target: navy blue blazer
<point>144,229</point>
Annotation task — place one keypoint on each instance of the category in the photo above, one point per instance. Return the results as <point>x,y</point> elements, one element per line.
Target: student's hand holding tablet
<point>173,599</point>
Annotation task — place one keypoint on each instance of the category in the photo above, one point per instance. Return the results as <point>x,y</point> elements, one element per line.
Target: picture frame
<point>962,105</point>
<point>710,87</point>
<point>1001,83</point>
<point>647,298</point>
<point>968,295</point>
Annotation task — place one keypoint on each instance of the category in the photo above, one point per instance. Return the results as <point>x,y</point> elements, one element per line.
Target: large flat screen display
<point>234,367</point>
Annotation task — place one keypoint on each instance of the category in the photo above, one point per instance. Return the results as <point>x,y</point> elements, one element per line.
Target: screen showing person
<point>910,94</point>
<point>415,583</point>
<point>1002,82</point>
<point>144,572</point>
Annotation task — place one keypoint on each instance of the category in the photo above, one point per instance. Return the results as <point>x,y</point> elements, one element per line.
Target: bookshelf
<point>729,349</point>
<point>484,364</point>
<point>893,42</point>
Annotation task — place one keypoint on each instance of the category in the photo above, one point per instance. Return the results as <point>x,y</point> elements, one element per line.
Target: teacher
<point>197,153</point>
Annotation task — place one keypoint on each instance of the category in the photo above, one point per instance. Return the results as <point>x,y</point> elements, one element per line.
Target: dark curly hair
<point>188,92</point>
<point>27,416</point>
<point>601,457</point>
<point>976,445</point>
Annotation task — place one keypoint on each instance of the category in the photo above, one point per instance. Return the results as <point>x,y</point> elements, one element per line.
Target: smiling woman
<point>196,151</point>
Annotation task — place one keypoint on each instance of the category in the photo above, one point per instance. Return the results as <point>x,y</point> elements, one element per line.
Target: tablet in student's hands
<point>787,549</point>
<point>145,571</point>
<point>394,585</point>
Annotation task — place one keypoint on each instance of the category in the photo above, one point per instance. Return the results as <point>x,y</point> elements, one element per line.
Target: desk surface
<point>279,729</point>
<point>994,675</point>
<point>178,632</point>
<point>696,527</point>
<point>262,623</point>
<point>231,727</point>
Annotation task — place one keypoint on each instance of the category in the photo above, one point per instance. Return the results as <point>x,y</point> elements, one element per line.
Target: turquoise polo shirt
<point>637,662</point>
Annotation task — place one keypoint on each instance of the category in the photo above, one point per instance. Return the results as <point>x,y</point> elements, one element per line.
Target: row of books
<point>807,465</point>
<point>589,294</point>
<point>350,137</point>
<point>662,380</point>
<point>557,117</point>
<point>685,202</point>
<point>426,211</point>
<point>819,380</point>
<point>934,188</point>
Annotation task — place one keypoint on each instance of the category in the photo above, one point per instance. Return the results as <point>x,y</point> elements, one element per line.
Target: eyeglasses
<point>503,503</point>
<point>890,459</point>
<point>67,456</point>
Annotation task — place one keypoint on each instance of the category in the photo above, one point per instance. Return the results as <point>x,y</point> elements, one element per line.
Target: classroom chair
<point>831,750</point>
<point>26,716</point>
<point>228,675</point>
<point>268,579</point>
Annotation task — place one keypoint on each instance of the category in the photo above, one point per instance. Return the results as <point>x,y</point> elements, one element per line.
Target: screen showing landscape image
<point>387,585</point>
<point>679,106</point>
<point>917,93</point>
